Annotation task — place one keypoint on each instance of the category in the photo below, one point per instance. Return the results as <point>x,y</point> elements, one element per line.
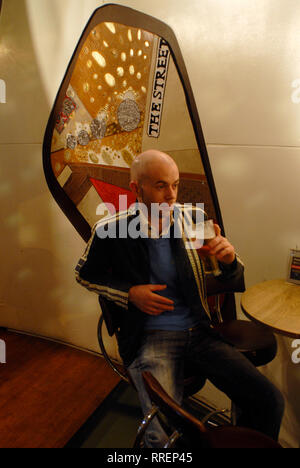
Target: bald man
<point>158,302</point>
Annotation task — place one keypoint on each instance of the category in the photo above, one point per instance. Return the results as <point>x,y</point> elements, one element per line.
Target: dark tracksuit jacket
<point>110,266</point>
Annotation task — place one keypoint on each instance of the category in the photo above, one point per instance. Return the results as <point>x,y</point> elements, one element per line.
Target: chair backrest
<point>107,316</point>
<point>194,433</point>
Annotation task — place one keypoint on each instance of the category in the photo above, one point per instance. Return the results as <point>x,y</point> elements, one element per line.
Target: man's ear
<point>134,188</point>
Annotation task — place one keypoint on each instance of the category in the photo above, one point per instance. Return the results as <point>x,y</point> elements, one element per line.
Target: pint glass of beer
<point>210,262</point>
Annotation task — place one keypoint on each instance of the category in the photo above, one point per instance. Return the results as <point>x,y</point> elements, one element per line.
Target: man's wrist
<point>229,266</point>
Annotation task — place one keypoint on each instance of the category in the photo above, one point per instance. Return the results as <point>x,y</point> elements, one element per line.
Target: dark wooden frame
<point>130,18</point>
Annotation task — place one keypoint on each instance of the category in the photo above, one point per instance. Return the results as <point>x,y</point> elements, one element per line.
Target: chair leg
<point>172,439</point>
<point>214,413</point>
<point>143,426</point>
<point>121,374</point>
<point>233,414</point>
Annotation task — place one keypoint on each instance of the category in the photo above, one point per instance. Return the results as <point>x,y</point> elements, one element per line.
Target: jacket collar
<point>147,229</point>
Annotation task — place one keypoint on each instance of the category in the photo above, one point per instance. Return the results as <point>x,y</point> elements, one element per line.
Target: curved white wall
<point>243,61</point>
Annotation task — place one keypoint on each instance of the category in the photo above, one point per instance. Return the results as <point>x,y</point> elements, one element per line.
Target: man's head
<point>154,178</point>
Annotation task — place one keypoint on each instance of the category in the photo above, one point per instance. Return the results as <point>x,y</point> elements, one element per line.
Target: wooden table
<point>274,303</point>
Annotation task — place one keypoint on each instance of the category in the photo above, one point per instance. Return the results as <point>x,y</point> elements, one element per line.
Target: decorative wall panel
<point>126,90</point>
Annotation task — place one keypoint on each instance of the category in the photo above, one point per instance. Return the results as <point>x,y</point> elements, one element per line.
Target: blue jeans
<point>163,353</point>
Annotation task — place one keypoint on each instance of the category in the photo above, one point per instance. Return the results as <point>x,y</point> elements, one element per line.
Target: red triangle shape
<point>110,194</point>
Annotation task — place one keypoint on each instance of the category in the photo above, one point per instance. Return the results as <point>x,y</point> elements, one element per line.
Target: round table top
<point>274,303</point>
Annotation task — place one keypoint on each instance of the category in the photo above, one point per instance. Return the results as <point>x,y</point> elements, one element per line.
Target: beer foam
<point>209,230</point>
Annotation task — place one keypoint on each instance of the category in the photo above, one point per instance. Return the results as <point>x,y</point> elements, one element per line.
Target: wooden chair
<point>256,342</point>
<point>189,432</point>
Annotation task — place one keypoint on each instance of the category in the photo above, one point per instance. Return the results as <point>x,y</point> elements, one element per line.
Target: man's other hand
<point>144,297</point>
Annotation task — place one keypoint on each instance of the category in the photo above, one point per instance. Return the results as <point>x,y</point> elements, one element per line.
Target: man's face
<point>160,186</point>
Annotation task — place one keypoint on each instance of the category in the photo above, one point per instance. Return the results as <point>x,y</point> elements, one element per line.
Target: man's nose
<point>171,193</point>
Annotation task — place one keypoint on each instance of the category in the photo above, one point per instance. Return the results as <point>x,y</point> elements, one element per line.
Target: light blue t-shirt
<point>163,271</point>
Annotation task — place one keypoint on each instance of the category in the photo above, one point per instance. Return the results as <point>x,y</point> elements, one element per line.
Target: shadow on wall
<point>27,268</point>
<point>25,114</point>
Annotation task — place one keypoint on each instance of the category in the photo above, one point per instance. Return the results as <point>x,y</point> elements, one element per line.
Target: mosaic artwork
<point>103,113</point>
